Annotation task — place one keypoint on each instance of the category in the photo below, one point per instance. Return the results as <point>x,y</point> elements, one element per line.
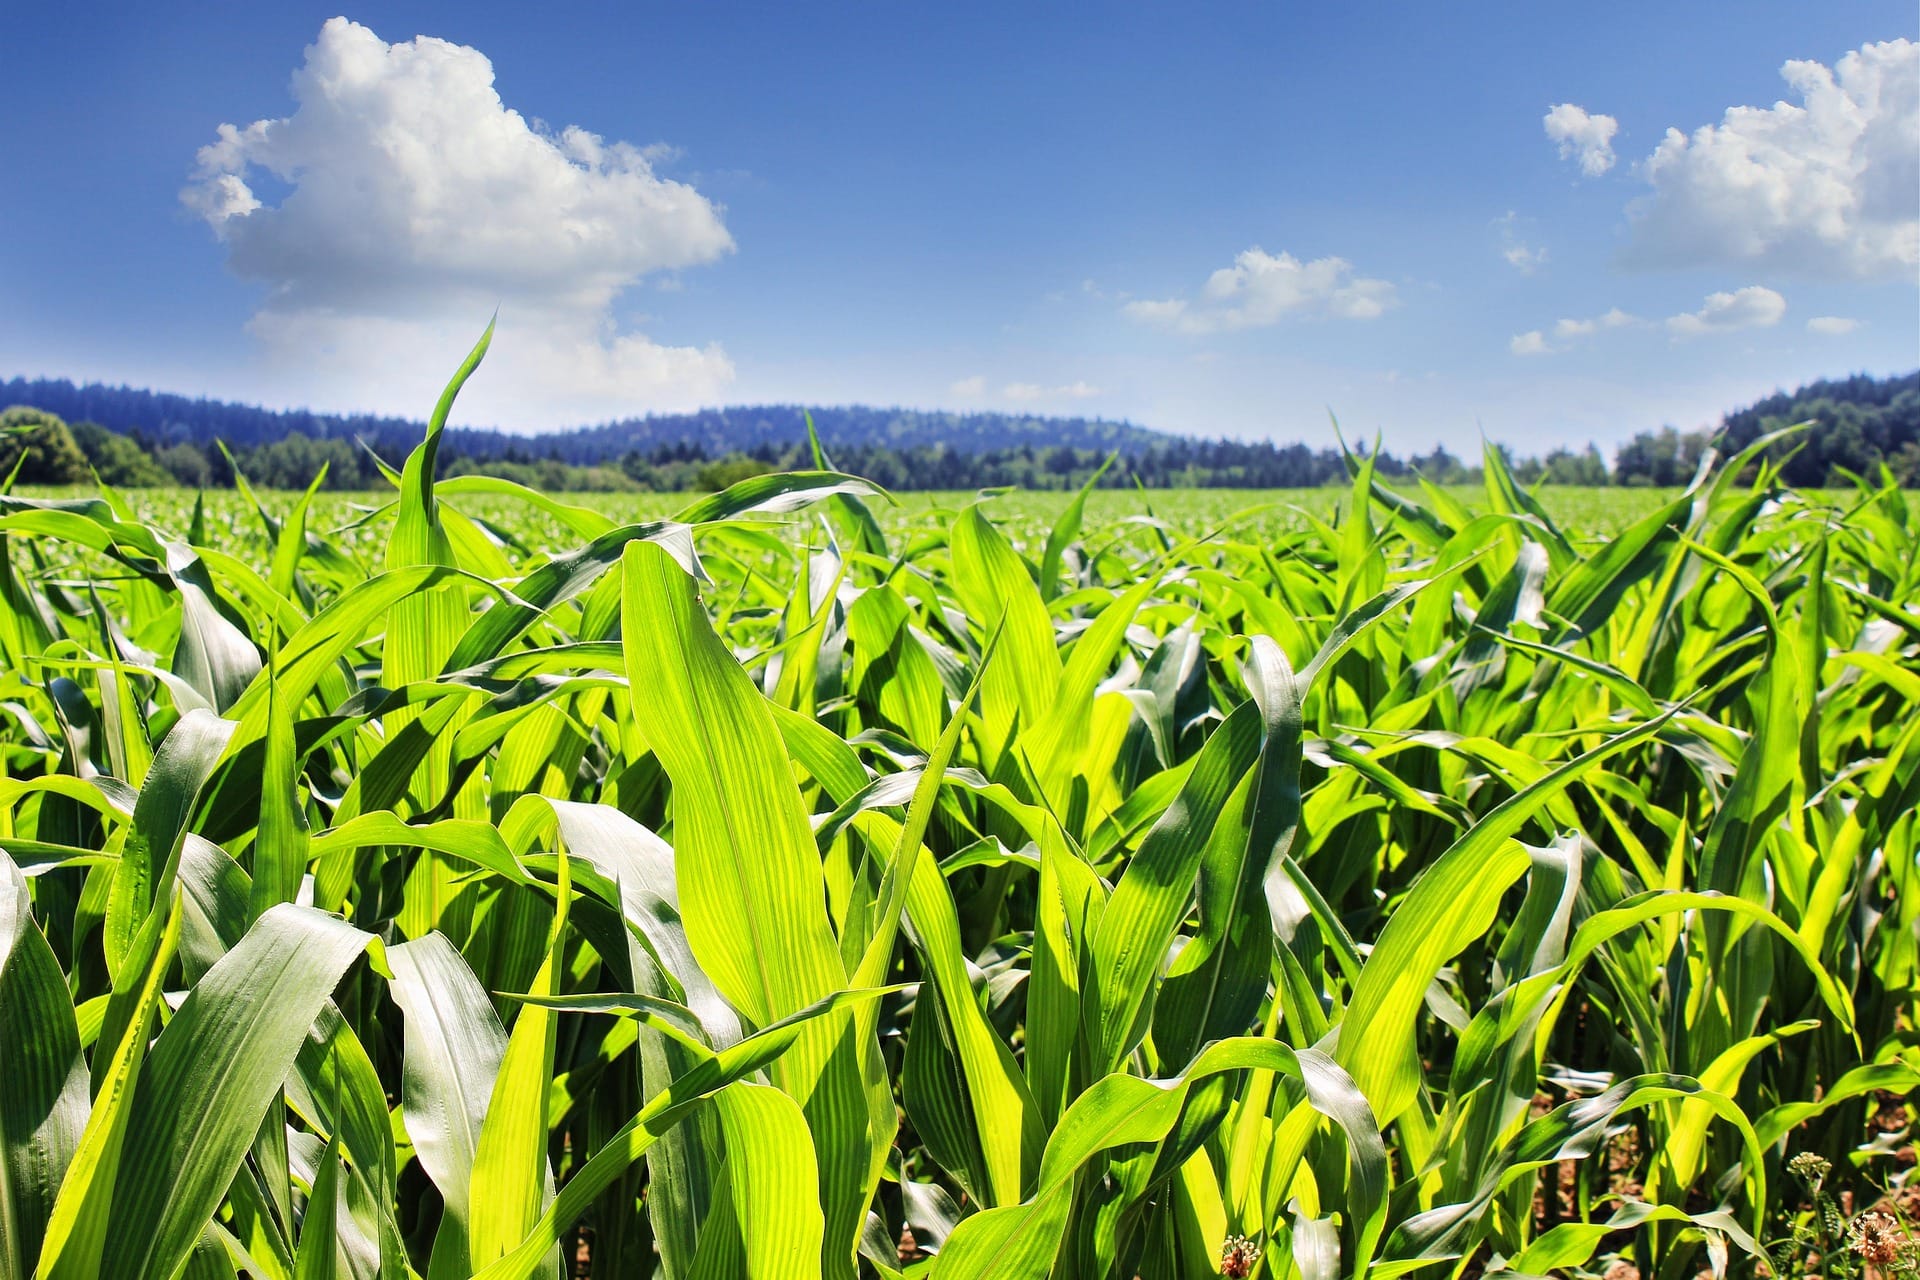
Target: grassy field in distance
<point>1583,514</point>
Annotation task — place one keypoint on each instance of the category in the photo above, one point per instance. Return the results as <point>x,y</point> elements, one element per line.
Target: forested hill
<point>171,419</point>
<point>133,438</point>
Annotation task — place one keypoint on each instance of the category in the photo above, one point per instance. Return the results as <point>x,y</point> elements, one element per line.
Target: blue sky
<point>1225,221</point>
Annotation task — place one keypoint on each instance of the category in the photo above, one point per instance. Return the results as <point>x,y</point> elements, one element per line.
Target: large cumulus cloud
<point>1827,187</point>
<point>403,201</point>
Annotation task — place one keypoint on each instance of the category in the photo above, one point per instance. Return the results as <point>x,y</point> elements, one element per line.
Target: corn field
<point>776,891</point>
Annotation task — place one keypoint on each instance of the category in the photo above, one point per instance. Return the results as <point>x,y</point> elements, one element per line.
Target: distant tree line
<point>49,451</point>
<point>165,419</point>
<point>1861,423</point>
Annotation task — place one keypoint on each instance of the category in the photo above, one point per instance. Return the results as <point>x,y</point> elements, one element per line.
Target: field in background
<point>1585,512</point>
<point>1587,515</point>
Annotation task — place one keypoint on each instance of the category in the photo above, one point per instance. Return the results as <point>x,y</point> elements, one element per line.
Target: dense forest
<point>132,439</point>
<point>169,419</point>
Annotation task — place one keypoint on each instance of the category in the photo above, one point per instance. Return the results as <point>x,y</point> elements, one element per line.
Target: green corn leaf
<point>1021,1241</point>
<point>748,874</point>
<point>210,1077</point>
<point>181,768</point>
<point>511,1177</point>
<point>1569,1132</point>
<point>776,493</point>
<point>318,1256</point>
<point>1572,1244</point>
<point>77,1231</point>
<point>43,1089</point>
<point>1452,903</point>
<point>661,1113</point>
<point>214,656</point>
<point>453,1050</point>
<point>1130,945</point>
<point>776,1228</point>
<point>1066,529</point>
<point>1213,990</point>
<point>280,846</point>
<point>992,582</point>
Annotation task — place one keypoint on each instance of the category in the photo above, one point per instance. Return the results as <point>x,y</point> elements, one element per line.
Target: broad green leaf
<point>43,1088</point>
<point>666,1109</point>
<point>1021,1241</point>
<point>775,1197</point>
<point>452,1054</point>
<point>511,1177</point>
<point>212,1072</point>
<point>318,1257</point>
<point>77,1232</point>
<point>1451,904</point>
<point>749,876</point>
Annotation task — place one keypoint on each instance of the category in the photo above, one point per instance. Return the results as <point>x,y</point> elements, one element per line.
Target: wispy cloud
<point>1027,392</point>
<point>1521,256</point>
<point>1568,331</point>
<point>1262,288</point>
<point>1754,307</point>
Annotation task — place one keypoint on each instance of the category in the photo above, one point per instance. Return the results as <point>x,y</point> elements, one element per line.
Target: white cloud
<point>1261,288</point>
<point>1026,392</point>
<point>1534,341</point>
<point>1754,307</point>
<point>416,202</point>
<point>1829,187</point>
<point>1523,257</point>
<point>1613,319</point>
<point>1527,260</point>
<point>1588,137</point>
<point>1832,326</point>
<point>969,388</point>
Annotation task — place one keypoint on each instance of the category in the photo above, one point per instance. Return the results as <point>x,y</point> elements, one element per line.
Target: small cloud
<point>969,388</point>
<point>659,153</point>
<point>1026,392</point>
<point>1754,307</point>
<point>1613,319</point>
<point>1261,288</point>
<point>1587,137</point>
<point>1832,326</point>
<point>1526,260</point>
<point>1167,313</point>
<point>1522,257</point>
<point>1534,341</point>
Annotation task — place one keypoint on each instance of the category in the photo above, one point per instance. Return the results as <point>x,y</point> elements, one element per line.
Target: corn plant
<point>789,888</point>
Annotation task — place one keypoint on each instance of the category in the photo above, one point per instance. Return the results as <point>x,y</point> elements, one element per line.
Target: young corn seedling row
<point>787,889</point>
